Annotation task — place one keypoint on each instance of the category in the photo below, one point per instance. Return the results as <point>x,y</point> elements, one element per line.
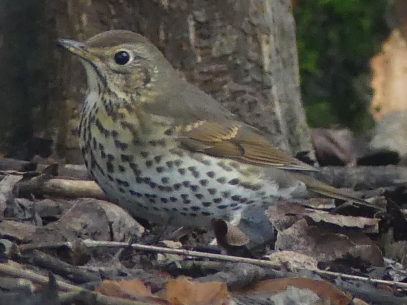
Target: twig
<point>73,291</point>
<point>106,244</point>
<point>61,188</point>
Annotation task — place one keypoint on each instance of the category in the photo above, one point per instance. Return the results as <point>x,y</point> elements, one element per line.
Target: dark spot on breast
<point>177,186</point>
<point>195,174</point>
<point>206,213</point>
<point>110,177</point>
<point>161,142</point>
<point>159,169</point>
<point>178,163</point>
<point>194,188</point>
<point>206,162</point>
<point>149,163</point>
<point>210,174</point>
<point>222,207</point>
<point>115,134</point>
<point>126,124</point>
<point>127,158</point>
<point>173,199</point>
<point>144,154</point>
<point>121,168</point>
<point>212,191</point>
<point>135,169</point>
<point>135,193</point>
<point>226,194</point>
<point>221,180</point>
<point>186,183</point>
<point>139,179</point>
<point>170,164</point>
<point>164,200</point>
<point>250,186</point>
<point>157,159</point>
<point>109,167</point>
<point>101,147</point>
<point>169,132</point>
<point>153,184</point>
<point>224,166</point>
<point>103,154</point>
<point>236,197</point>
<point>165,180</point>
<point>217,200</point>
<point>184,196</point>
<point>199,196</point>
<point>110,157</point>
<point>206,203</point>
<point>122,182</point>
<point>203,182</point>
<point>182,171</point>
<point>234,181</point>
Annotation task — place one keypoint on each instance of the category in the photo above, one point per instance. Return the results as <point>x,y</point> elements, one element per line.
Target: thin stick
<point>115,245</point>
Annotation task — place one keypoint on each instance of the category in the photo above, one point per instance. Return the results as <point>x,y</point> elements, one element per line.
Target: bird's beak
<point>77,48</point>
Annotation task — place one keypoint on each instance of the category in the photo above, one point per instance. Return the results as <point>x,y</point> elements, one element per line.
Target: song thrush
<point>166,151</point>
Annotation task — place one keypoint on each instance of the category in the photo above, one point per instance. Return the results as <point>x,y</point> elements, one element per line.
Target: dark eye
<point>122,58</point>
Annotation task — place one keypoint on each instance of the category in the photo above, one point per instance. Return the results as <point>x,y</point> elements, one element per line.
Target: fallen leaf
<point>183,291</point>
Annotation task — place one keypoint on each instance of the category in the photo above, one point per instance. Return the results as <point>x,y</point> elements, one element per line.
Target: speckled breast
<point>142,167</point>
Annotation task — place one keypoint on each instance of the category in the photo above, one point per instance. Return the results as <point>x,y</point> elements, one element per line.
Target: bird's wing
<point>235,140</point>
<point>208,127</point>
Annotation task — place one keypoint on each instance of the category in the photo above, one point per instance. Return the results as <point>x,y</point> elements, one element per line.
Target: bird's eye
<point>122,57</point>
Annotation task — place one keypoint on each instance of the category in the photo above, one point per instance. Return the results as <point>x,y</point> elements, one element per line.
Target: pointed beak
<point>77,48</point>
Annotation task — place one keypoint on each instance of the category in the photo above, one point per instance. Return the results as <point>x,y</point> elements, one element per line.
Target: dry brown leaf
<point>132,290</point>
<point>284,214</point>
<point>293,261</point>
<point>327,292</point>
<point>369,225</point>
<point>327,244</point>
<point>228,235</point>
<point>23,232</point>
<point>183,291</point>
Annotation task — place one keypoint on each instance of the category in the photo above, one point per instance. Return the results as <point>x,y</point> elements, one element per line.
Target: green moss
<point>336,39</point>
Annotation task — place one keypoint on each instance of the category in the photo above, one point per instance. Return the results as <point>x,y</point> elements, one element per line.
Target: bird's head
<point>123,61</point>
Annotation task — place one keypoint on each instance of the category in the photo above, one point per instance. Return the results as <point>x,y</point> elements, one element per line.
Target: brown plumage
<point>167,151</point>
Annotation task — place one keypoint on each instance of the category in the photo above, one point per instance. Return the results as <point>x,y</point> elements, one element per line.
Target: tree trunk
<point>242,52</point>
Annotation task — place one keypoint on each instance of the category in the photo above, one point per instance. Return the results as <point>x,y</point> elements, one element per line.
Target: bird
<point>166,151</point>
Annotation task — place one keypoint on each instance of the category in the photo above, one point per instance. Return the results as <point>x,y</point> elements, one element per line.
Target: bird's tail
<point>321,188</point>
